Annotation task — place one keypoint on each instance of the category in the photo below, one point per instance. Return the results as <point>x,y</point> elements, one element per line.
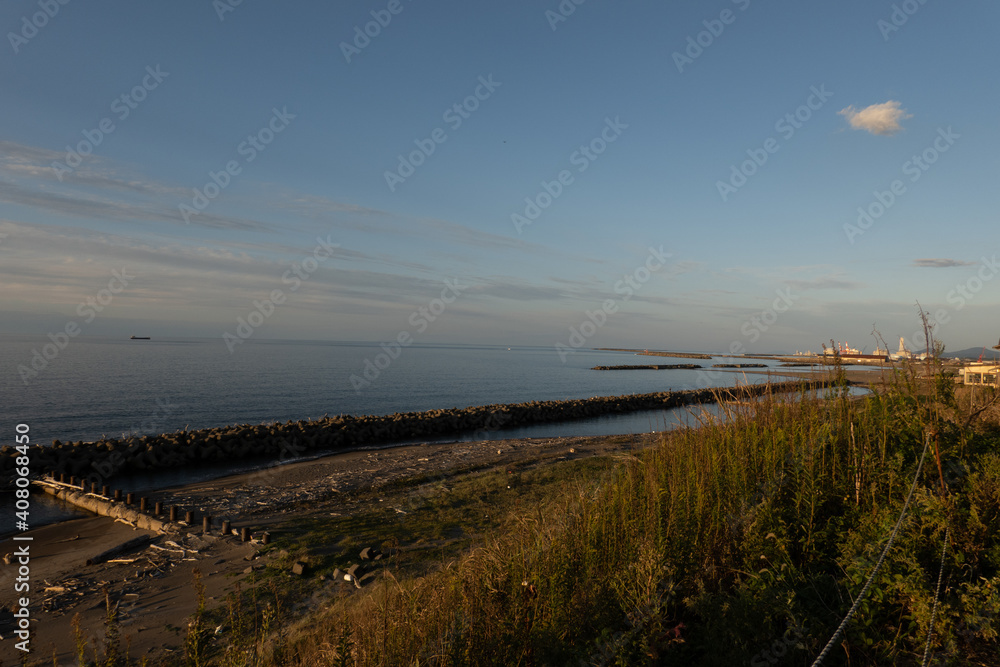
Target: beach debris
<point>130,545</point>
<point>179,550</point>
<point>63,594</point>
<point>299,567</point>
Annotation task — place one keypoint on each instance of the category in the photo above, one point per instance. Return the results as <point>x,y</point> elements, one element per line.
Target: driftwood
<point>134,543</point>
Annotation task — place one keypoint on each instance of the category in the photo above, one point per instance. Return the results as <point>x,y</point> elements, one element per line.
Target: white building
<point>981,374</point>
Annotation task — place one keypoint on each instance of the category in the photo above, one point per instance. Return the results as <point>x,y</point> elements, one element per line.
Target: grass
<point>741,542</point>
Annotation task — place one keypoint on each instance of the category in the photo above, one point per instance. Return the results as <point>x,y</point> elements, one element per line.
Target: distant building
<point>845,351</point>
<point>904,353</point>
<point>981,374</point>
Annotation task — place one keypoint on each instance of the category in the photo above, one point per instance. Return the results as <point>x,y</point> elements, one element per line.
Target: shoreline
<point>90,465</point>
<point>152,583</point>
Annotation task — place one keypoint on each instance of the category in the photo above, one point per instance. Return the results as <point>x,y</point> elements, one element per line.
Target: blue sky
<point>776,261</point>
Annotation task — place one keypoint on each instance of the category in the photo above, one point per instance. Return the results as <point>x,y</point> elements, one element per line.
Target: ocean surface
<point>101,387</point>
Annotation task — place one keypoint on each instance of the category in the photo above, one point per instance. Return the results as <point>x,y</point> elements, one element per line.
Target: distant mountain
<point>973,353</point>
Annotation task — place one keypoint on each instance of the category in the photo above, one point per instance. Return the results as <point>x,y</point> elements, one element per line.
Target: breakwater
<point>96,462</point>
<point>681,355</point>
<point>646,367</point>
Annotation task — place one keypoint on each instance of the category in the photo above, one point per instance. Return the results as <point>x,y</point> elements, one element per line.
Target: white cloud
<point>878,118</point>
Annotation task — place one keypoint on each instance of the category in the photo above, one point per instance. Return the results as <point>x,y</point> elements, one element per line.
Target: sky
<point>717,176</point>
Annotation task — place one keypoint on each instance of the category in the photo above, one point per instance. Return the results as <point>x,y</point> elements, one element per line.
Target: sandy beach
<point>153,585</point>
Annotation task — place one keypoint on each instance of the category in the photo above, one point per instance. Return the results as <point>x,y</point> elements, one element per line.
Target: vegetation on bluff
<point>744,541</point>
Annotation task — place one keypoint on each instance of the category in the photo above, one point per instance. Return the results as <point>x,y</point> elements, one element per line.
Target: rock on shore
<point>98,461</point>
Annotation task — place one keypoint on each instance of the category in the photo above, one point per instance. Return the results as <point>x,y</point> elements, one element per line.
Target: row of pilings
<point>99,461</point>
<point>155,517</point>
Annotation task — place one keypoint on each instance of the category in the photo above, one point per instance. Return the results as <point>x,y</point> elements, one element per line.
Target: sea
<point>106,387</point>
<point>94,388</point>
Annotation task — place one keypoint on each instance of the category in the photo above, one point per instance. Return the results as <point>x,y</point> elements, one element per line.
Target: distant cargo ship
<point>138,337</point>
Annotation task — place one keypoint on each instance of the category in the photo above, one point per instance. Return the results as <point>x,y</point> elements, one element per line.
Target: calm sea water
<point>108,387</point>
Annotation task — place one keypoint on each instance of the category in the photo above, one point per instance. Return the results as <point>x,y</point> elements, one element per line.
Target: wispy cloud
<point>824,283</point>
<point>94,206</point>
<point>883,119</point>
<point>940,263</point>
